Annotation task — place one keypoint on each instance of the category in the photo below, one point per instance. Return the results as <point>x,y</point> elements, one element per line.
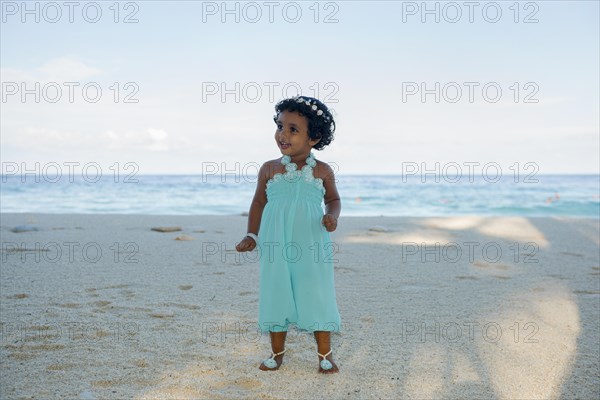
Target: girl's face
<point>291,134</point>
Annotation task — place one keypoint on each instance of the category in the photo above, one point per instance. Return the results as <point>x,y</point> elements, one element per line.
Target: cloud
<point>150,139</point>
<point>60,69</point>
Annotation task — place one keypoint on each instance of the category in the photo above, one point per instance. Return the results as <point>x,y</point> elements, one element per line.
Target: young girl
<point>286,221</point>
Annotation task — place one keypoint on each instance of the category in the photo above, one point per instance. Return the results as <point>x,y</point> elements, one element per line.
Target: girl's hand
<point>247,244</point>
<point>330,222</point>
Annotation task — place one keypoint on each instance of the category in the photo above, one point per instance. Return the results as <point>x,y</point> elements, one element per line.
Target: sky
<point>179,87</point>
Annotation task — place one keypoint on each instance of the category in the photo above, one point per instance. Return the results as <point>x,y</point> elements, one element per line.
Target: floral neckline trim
<point>290,166</point>
<point>292,173</point>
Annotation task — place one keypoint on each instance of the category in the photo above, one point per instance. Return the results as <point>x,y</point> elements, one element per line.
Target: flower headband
<point>313,106</point>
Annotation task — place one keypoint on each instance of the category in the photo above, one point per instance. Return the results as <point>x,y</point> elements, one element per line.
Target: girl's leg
<point>277,346</point>
<point>323,347</point>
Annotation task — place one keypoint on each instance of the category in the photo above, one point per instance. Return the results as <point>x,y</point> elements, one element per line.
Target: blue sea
<point>362,195</point>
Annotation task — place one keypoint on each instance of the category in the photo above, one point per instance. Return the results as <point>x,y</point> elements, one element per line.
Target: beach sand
<point>101,306</point>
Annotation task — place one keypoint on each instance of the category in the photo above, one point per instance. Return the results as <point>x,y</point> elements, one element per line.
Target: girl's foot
<point>326,364</point>
<point>272,363</point>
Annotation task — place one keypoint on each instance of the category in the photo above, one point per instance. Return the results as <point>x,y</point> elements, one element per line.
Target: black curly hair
<point>319,126</point>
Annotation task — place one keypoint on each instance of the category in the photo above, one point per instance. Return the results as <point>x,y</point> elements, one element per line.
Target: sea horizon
<point>573,195</point>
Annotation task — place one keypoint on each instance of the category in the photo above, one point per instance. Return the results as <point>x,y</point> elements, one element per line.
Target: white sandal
<point>325,363</point>
<point>270,362</point>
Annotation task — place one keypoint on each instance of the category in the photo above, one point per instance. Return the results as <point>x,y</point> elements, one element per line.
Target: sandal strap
<point>324,356</point>
<point>277,354</point>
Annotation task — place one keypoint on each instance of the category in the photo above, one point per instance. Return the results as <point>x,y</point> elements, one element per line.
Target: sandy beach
<point>102,306</point>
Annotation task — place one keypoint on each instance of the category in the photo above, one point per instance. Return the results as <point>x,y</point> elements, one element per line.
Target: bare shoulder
<point>323,170</point>
<point>271,167</point>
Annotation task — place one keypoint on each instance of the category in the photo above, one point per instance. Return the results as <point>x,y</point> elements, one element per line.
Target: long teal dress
<point>296,255</point>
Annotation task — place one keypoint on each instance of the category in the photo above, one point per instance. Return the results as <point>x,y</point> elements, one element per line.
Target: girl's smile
<point>291,134</point>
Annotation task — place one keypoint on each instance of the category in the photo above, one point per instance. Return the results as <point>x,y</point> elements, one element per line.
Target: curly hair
<point>318,126</point>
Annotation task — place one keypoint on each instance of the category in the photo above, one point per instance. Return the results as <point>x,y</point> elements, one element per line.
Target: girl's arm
<point>333,204</point>
<point>256,209</point>
<point>258,202</point>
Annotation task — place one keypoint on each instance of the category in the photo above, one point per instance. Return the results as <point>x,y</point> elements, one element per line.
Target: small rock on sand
<point>184,237</point>
<point>24,228</point>
<point>166,228</point>
<point>379,229</point>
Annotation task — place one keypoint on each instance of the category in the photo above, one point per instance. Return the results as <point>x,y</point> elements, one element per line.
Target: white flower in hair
<point>320,112</point>
<point>300,100</point>
<point>314,107</point>
<point>308,102</point>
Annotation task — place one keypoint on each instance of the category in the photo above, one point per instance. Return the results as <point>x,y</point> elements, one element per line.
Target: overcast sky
<point>187,85</point>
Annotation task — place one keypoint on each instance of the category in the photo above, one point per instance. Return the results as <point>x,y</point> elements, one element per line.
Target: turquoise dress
<point>296,255</point>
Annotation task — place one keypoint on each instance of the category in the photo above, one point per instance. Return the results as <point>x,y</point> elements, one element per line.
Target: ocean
<point>362,195</point>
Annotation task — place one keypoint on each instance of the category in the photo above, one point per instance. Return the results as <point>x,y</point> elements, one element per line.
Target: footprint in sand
<point>162,314</point>
<point>491,268</point>
<point>59,367</point>
<point>128,293</point>
<point>92,292</point>
<point>119,286</point>
<point>483,264</point>
<point>467,277</point>
<point>586,292</point>
<point>368,319</point>
<point>185,306</point>
<point>141,363</point>
<point>107,384</point>
<point>185,287</point>
<point>246,383</point>
<point>70,305</point>
<point>344,269</point>
<point>571,254</point>
<point>557,276</point>
<point>101,303</point>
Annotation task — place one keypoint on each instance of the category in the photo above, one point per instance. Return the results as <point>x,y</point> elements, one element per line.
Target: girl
<point>286,221</point>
